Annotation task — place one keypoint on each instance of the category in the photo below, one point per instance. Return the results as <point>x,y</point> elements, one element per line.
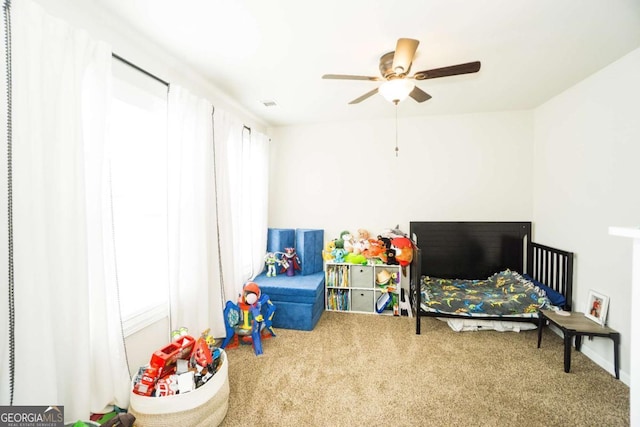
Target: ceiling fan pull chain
<point>397,149</point>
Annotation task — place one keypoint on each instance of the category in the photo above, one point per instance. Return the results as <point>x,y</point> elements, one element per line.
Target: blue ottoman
<point>299,300</point>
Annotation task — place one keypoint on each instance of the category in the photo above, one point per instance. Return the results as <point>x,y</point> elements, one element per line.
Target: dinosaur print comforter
<point>506,293</point>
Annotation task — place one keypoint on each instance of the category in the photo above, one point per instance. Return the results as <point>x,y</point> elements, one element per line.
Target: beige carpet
<point>369,370</point>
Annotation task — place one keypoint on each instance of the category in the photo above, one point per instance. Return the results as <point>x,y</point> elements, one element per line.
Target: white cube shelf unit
<point>362,288</point>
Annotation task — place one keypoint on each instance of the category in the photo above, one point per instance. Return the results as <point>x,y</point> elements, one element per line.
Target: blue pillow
<point>554,296</point>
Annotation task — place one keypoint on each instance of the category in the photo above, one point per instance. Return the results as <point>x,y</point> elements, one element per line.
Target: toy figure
<point>271,259</point>
<point>290,261</point>
<point>247,319</point>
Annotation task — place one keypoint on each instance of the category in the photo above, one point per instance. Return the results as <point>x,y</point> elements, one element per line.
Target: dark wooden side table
<point>577,325</point>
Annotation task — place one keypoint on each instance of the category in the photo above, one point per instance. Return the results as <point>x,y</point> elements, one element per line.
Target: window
<point>138,156</point>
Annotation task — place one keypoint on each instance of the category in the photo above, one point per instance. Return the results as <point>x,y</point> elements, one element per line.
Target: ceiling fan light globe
<point>396,91</point>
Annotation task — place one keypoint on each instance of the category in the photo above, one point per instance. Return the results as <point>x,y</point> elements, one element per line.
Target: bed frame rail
<point>553,267</point>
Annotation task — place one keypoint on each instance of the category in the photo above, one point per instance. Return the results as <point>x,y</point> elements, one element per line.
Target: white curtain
<point>259,199</point>
<point>69,347</point>
<point>228,147</point>
<point>242,158</point>
<point>194,275</point>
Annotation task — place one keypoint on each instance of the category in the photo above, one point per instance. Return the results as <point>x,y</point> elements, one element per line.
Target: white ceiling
<point>256,50</point>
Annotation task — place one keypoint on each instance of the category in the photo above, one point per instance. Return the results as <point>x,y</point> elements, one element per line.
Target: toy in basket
<point>185,381</point>
<point>251,319</point>
<point>203,407</point>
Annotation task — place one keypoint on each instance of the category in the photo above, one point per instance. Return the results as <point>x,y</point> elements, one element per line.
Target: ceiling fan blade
<point>419,95</point>
<point>403,56</point>
<point>453,70</point>
<point>365,96</point>
<point>349,77</point>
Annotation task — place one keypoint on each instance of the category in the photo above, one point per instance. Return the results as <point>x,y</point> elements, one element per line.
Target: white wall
<point>586,176</point>
<point>345,176</point>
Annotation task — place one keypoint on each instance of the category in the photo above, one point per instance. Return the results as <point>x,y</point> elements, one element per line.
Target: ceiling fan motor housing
<point>386,66</point>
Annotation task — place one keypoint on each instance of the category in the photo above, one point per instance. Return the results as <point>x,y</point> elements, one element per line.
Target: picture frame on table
<point>597,307</point>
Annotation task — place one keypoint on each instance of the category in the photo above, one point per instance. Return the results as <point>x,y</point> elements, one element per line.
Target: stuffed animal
<point>328,249</point>
<point>375,250</point>
<point>338,254</point>
<point>353,258</point>
<point>394,232</point>
<point>340,240</point>
<point>363,234</point>
<point>391,257</point>
<point>404,255</point>
<point>348,241</point>
<point>386,242</point>
<point>361,242</point>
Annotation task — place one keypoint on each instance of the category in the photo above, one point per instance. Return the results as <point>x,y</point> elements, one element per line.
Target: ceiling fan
<point>395,67</point>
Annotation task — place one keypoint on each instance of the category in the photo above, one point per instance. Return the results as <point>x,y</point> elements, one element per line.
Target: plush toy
<point>404,255</point>
<point>339,254</point>
<point>375,250</point>
<point>340,240</point>
<point>353,258</point>
<point>394,232</point>
<point>386,242</point>
<point>348,242</point>
<point>362,241</point>
<point>328,249</point>
<point>391,257</point>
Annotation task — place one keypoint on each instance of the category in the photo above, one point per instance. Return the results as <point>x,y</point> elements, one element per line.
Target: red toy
<point>163,362</point>
<point>202,353</point>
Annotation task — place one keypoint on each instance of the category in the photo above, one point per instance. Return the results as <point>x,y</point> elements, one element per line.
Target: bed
<point>486,275</point>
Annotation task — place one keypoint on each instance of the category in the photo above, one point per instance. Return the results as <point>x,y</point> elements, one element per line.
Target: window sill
<point>142,319</point>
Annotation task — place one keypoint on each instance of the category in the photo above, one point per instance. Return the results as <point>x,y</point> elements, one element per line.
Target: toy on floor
<point>250,319</point>
<point>290,261</point>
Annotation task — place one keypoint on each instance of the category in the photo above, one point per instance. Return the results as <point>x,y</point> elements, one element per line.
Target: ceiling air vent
<point>269,103</point>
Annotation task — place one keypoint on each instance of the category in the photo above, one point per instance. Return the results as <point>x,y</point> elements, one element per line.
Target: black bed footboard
<point>553,267</point>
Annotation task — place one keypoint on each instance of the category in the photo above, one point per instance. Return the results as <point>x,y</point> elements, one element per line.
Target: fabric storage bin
<point>203,407</point>
<point>361,276</point>
<point>362,300</point>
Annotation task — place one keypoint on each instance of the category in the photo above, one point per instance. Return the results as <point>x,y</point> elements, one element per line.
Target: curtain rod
<point>142,70</point>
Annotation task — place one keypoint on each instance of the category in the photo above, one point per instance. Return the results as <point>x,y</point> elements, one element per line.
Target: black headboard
<point>469,250</point>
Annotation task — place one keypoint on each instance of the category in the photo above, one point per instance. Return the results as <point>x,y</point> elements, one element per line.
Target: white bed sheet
<point>463,325</point>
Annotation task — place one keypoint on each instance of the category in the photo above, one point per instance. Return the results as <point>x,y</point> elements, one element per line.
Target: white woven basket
<point>204,407</point>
